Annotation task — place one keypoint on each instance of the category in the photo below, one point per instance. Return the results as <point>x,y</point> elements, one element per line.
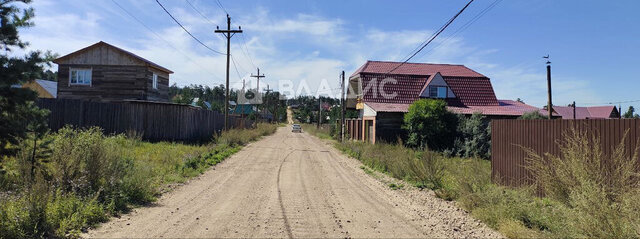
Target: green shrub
<point>473,137</point>
<point>533,115</point>
<point>429,124</point>
<point>68,214</point>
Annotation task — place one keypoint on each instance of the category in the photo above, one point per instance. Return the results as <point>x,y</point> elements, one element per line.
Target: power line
<point>466,25</point>
<point>221,7</point>
<point>434,36</point>
<point>187,31</point>
<point>161,38</point>
<point>246,49</point>
<point>236,67</point>
<point>244,42</point>
<point>613,103</point>
<point>201,14</point>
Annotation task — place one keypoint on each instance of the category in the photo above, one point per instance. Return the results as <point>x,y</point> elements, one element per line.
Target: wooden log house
<point>103,72</point>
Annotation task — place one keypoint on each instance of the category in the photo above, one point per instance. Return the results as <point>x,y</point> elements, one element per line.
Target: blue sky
<point>593,44</point>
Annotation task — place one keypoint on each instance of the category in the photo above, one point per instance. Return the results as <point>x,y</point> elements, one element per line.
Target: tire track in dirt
<point>292,185</point>
<point>284,214</point>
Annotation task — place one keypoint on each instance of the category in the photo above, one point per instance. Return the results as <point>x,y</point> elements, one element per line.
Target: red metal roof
<point>505,107</point>
<point>470,87</point>
<point>472,91</point>
<point>593,112</point>
<point>389,107</point>
<point>405,90</point>
<point>425,69</point>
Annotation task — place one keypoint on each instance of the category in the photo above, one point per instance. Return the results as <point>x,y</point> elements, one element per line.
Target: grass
<point>395,186</point>
<point>585,197</point>
<point>81,177</point>
<point>324,132</point>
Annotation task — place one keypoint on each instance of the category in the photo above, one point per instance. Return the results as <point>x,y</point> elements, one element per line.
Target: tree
<point>474,136</point>
<point>532,115</point>
<point>18,114</point>
<point>631,113</point>
<point>429,124</point>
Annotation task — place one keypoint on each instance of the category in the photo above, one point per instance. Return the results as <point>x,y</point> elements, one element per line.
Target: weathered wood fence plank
<point>153,121</point>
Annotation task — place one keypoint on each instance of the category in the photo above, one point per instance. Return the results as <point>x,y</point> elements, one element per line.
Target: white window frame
<point>437,89</point>
<point>154,81</point>
<point>84,82</point>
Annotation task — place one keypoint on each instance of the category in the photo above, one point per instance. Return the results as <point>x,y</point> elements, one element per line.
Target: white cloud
<point>304,47</point>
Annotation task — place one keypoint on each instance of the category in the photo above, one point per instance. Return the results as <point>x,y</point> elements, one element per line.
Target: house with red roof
<point>592,112</point>
<point>382,91</point>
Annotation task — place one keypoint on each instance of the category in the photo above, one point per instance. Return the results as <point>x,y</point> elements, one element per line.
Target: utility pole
<point>319,112</point>
<point>266,96</point>
<point>228,34</point>
<point>258,76</point>
<point>549,103</point>
<point>342,106</point>
<point>574,109</point>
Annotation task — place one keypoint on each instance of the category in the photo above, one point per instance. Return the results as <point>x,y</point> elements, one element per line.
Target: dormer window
<point>438,92</point>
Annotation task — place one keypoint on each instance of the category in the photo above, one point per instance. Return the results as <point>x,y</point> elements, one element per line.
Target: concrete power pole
<point>228,34</point>
<point>342,107</point>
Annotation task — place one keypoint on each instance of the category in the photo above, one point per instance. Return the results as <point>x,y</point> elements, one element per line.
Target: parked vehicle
<point>296,128</point>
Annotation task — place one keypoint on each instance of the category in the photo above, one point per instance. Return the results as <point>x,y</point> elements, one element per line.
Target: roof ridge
<point>419,63</point>
<point>131,54</point>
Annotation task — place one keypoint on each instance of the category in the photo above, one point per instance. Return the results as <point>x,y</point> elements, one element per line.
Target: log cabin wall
<point>115,75</point>
<point>112,83</point>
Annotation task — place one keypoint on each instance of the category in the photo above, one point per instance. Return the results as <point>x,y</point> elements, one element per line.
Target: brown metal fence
<point>153,121</point>
<point>509,137</point>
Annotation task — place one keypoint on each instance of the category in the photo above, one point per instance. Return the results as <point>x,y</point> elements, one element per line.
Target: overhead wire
<point>434,36</point>
<point>163,39</point>
<point>464,26</point>
<point>185,29</point>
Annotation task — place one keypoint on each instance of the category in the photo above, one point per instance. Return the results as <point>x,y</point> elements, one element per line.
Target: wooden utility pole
<point>228,34</point>
<point>549,103</point>
<point>266,98</point>
<point>319,112</point>
<point>574,109</point>
<point>258,76</point>
<point>342,107</point>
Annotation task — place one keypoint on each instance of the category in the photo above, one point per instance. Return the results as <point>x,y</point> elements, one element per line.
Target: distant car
<point>296,128</point>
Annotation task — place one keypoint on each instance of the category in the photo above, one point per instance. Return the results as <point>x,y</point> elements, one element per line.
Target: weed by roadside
<point>583,200</point>
<point>324,132</point>
<point>84,177</point>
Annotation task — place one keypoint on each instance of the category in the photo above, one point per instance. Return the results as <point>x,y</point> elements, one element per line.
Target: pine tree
<point>19,115</point>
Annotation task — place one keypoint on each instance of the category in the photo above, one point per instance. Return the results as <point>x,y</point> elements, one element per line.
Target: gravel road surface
<point>293,185</point>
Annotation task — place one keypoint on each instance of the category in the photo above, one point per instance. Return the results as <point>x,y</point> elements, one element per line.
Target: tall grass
<point>82,176</point>
<point>587,194</point>
<point>323,132</point>
<point>602,193</point>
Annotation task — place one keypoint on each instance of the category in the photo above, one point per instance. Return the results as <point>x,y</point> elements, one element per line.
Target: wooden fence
<point>153,121</point>
<point>509,137</point>
<point>353,129</point>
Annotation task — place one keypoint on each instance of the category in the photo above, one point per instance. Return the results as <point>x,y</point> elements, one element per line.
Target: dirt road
<point>293,185</point>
